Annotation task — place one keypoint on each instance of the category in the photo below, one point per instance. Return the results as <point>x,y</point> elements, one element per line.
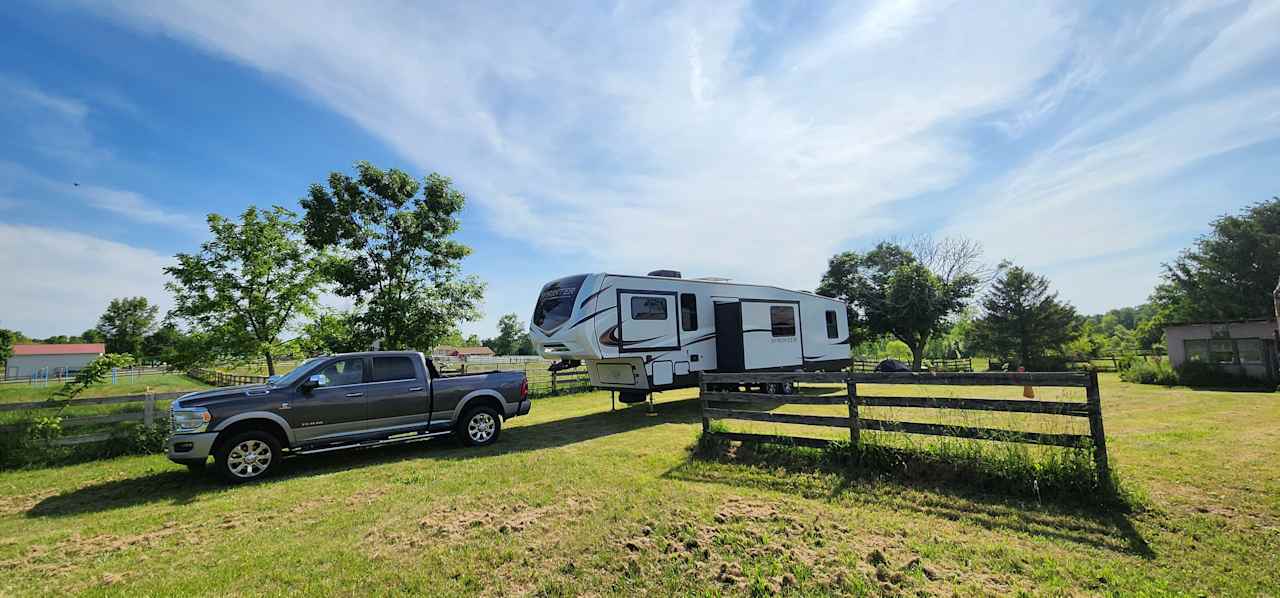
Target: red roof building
<point>68,349</point>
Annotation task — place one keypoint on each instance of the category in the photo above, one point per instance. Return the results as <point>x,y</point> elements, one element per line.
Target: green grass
<point>575,499</point>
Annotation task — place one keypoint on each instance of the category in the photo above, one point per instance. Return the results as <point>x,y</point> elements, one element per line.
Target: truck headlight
<point>190,421</point>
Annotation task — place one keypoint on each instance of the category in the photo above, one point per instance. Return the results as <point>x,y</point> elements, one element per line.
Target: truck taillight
<point>524,389</point>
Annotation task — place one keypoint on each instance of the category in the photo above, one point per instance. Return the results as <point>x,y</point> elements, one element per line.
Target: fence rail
<point>147,416</point>
<point>964,364</point>
<point>719,402</point>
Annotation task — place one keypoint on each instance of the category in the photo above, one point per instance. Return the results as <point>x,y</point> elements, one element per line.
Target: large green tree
<point>126,323</point>
<point>1022,318</point>
<point>7,339</point>
<point>333,331</point>
<point>889,291</point>
<point>246,285</point>
<point>512,339</point>
<point>1228,273</point>
<point>388,244</point>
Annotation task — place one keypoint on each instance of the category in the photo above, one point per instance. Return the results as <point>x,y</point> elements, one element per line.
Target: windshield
<point>296,373</point>
<point>555,303</point>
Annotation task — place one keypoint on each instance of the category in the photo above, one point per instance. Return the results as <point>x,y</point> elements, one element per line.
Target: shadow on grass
<point>178,486</point>
<point>952,492</point>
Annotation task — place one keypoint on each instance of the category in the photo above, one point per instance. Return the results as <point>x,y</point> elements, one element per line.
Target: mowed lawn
<point>575,499</point>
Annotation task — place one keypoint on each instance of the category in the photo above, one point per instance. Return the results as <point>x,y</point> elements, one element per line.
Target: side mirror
<point>312,383</point>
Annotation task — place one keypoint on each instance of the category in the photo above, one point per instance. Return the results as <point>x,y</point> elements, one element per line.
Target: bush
<point>1195,373</point>
<point>30,444</point>
<point>1141,371</point>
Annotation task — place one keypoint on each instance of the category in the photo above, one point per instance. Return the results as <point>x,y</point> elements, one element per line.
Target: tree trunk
<point>271,363</point>
<point>917,356</point>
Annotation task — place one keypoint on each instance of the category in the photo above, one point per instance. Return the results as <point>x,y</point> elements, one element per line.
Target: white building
<point>59,359</point>
<point>1242,347</point>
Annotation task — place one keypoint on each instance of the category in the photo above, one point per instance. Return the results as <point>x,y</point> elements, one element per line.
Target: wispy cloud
<point>135,207</point>
<point>635,137</point>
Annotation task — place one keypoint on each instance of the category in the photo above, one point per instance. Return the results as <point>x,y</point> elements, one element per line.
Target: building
<point>1241,347</point>
<point>58,359</point>
<point>461,352</point>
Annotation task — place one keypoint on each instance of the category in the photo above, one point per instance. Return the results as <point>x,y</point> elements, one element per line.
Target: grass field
<point>22,393</point>
<point>575,499</point>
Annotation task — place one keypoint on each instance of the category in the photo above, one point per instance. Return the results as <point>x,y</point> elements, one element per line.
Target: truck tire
<point>247,456</point>
<point>479,426</point>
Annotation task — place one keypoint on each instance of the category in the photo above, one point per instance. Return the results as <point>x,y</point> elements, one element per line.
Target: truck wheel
<point>479,426</point>
<point>247,456</point>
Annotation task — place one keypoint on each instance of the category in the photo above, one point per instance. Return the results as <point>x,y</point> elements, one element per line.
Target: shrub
<point>1195,373</point>
<point>1141,371</point>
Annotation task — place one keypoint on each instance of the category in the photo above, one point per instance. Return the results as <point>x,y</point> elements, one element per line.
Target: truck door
<point>771,334</point>
<point>647,321</point>
<point>397,393</point>
<point>335,408</point>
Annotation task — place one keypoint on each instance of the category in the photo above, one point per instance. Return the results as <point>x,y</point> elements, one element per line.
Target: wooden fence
<point>719,404</point>
<point>147,416</point>
<point>216,378</point>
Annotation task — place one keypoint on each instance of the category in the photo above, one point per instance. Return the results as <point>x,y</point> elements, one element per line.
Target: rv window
<point>688,311</point>
<point>648,308</point>
<point>833,327</point>
<point>555,303</point>
<point>782,320</point>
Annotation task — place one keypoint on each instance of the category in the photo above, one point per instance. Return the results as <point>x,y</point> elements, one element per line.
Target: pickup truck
<point>338,402</point>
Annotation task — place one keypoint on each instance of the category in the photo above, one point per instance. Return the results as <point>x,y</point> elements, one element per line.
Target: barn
<point>31,359</point>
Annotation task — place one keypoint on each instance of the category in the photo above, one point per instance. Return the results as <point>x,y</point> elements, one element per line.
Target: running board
<point>383,442</point>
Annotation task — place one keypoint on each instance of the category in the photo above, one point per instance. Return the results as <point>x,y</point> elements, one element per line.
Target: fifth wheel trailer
<point>640,334</point>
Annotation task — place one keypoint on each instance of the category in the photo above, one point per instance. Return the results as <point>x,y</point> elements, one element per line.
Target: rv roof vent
<point>712,279</point>
<point>665,273</point>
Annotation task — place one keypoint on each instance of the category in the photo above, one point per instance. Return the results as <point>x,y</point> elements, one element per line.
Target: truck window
<point>343,373</point>
<point>386,369</point>
<point>782,320</point>
<point>833,327</point>
<point>688,311</point>
<point>648,308</point>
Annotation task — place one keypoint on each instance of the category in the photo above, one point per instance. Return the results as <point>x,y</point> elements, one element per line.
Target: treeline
<point>381,240</point>
<point>938,299</point>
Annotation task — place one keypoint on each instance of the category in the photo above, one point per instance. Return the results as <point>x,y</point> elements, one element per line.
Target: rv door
<point>771,334</point>
<point>647,321</point>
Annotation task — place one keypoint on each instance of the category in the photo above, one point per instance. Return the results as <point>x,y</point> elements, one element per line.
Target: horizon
<point>1089,143</point>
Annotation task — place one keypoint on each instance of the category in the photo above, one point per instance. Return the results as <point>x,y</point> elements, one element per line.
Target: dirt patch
<point>456,523</point>
<point>13,505</point>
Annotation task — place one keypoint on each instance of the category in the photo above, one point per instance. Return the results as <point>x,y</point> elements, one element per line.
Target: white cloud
<point>640,138</point>
<point>632,138</point>
<point>135,206</point>
<point>58,282</point>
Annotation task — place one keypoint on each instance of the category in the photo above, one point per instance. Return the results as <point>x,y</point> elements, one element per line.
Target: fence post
<point>702,401</point>
<point>149,409</point>
<point>554,375</point>
<point>1099,436</point>
<point>854,436</point>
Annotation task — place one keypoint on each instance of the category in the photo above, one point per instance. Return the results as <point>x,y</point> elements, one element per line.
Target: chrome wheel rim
<point>481,427</point>
<point>249,459</point>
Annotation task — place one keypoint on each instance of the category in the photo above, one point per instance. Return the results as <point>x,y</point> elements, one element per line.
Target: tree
<point>389,248</point>
<point>247,284</point>
<point>126,323</point>
<point>164,344</point>
<point>334,331</point>
<point>7,339</point>
<point>512,339</point>
<point>1229,273</point>
<point>890,292</point>
<point>1022,318</point>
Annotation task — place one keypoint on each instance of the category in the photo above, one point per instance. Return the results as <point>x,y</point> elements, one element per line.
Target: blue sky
<point>1088,142</point>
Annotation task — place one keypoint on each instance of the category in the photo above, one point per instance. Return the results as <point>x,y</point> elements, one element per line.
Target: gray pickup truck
<point>337,402</point>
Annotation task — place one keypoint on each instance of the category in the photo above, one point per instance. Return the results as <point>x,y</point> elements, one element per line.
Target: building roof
<point>1209,322</point>
<point>69,349</point>
<point>474,351</point>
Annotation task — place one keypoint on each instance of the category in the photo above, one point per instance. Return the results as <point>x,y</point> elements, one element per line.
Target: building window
<point>648,308</point>
<point>833,325</point>
<point>688,311</point>
<point>1221,351</point>
<point>782,320</point>
<point>1197,350</point>
<point>1250,350</point>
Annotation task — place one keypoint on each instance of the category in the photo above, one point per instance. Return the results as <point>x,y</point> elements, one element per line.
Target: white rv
<point>639,334</point>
